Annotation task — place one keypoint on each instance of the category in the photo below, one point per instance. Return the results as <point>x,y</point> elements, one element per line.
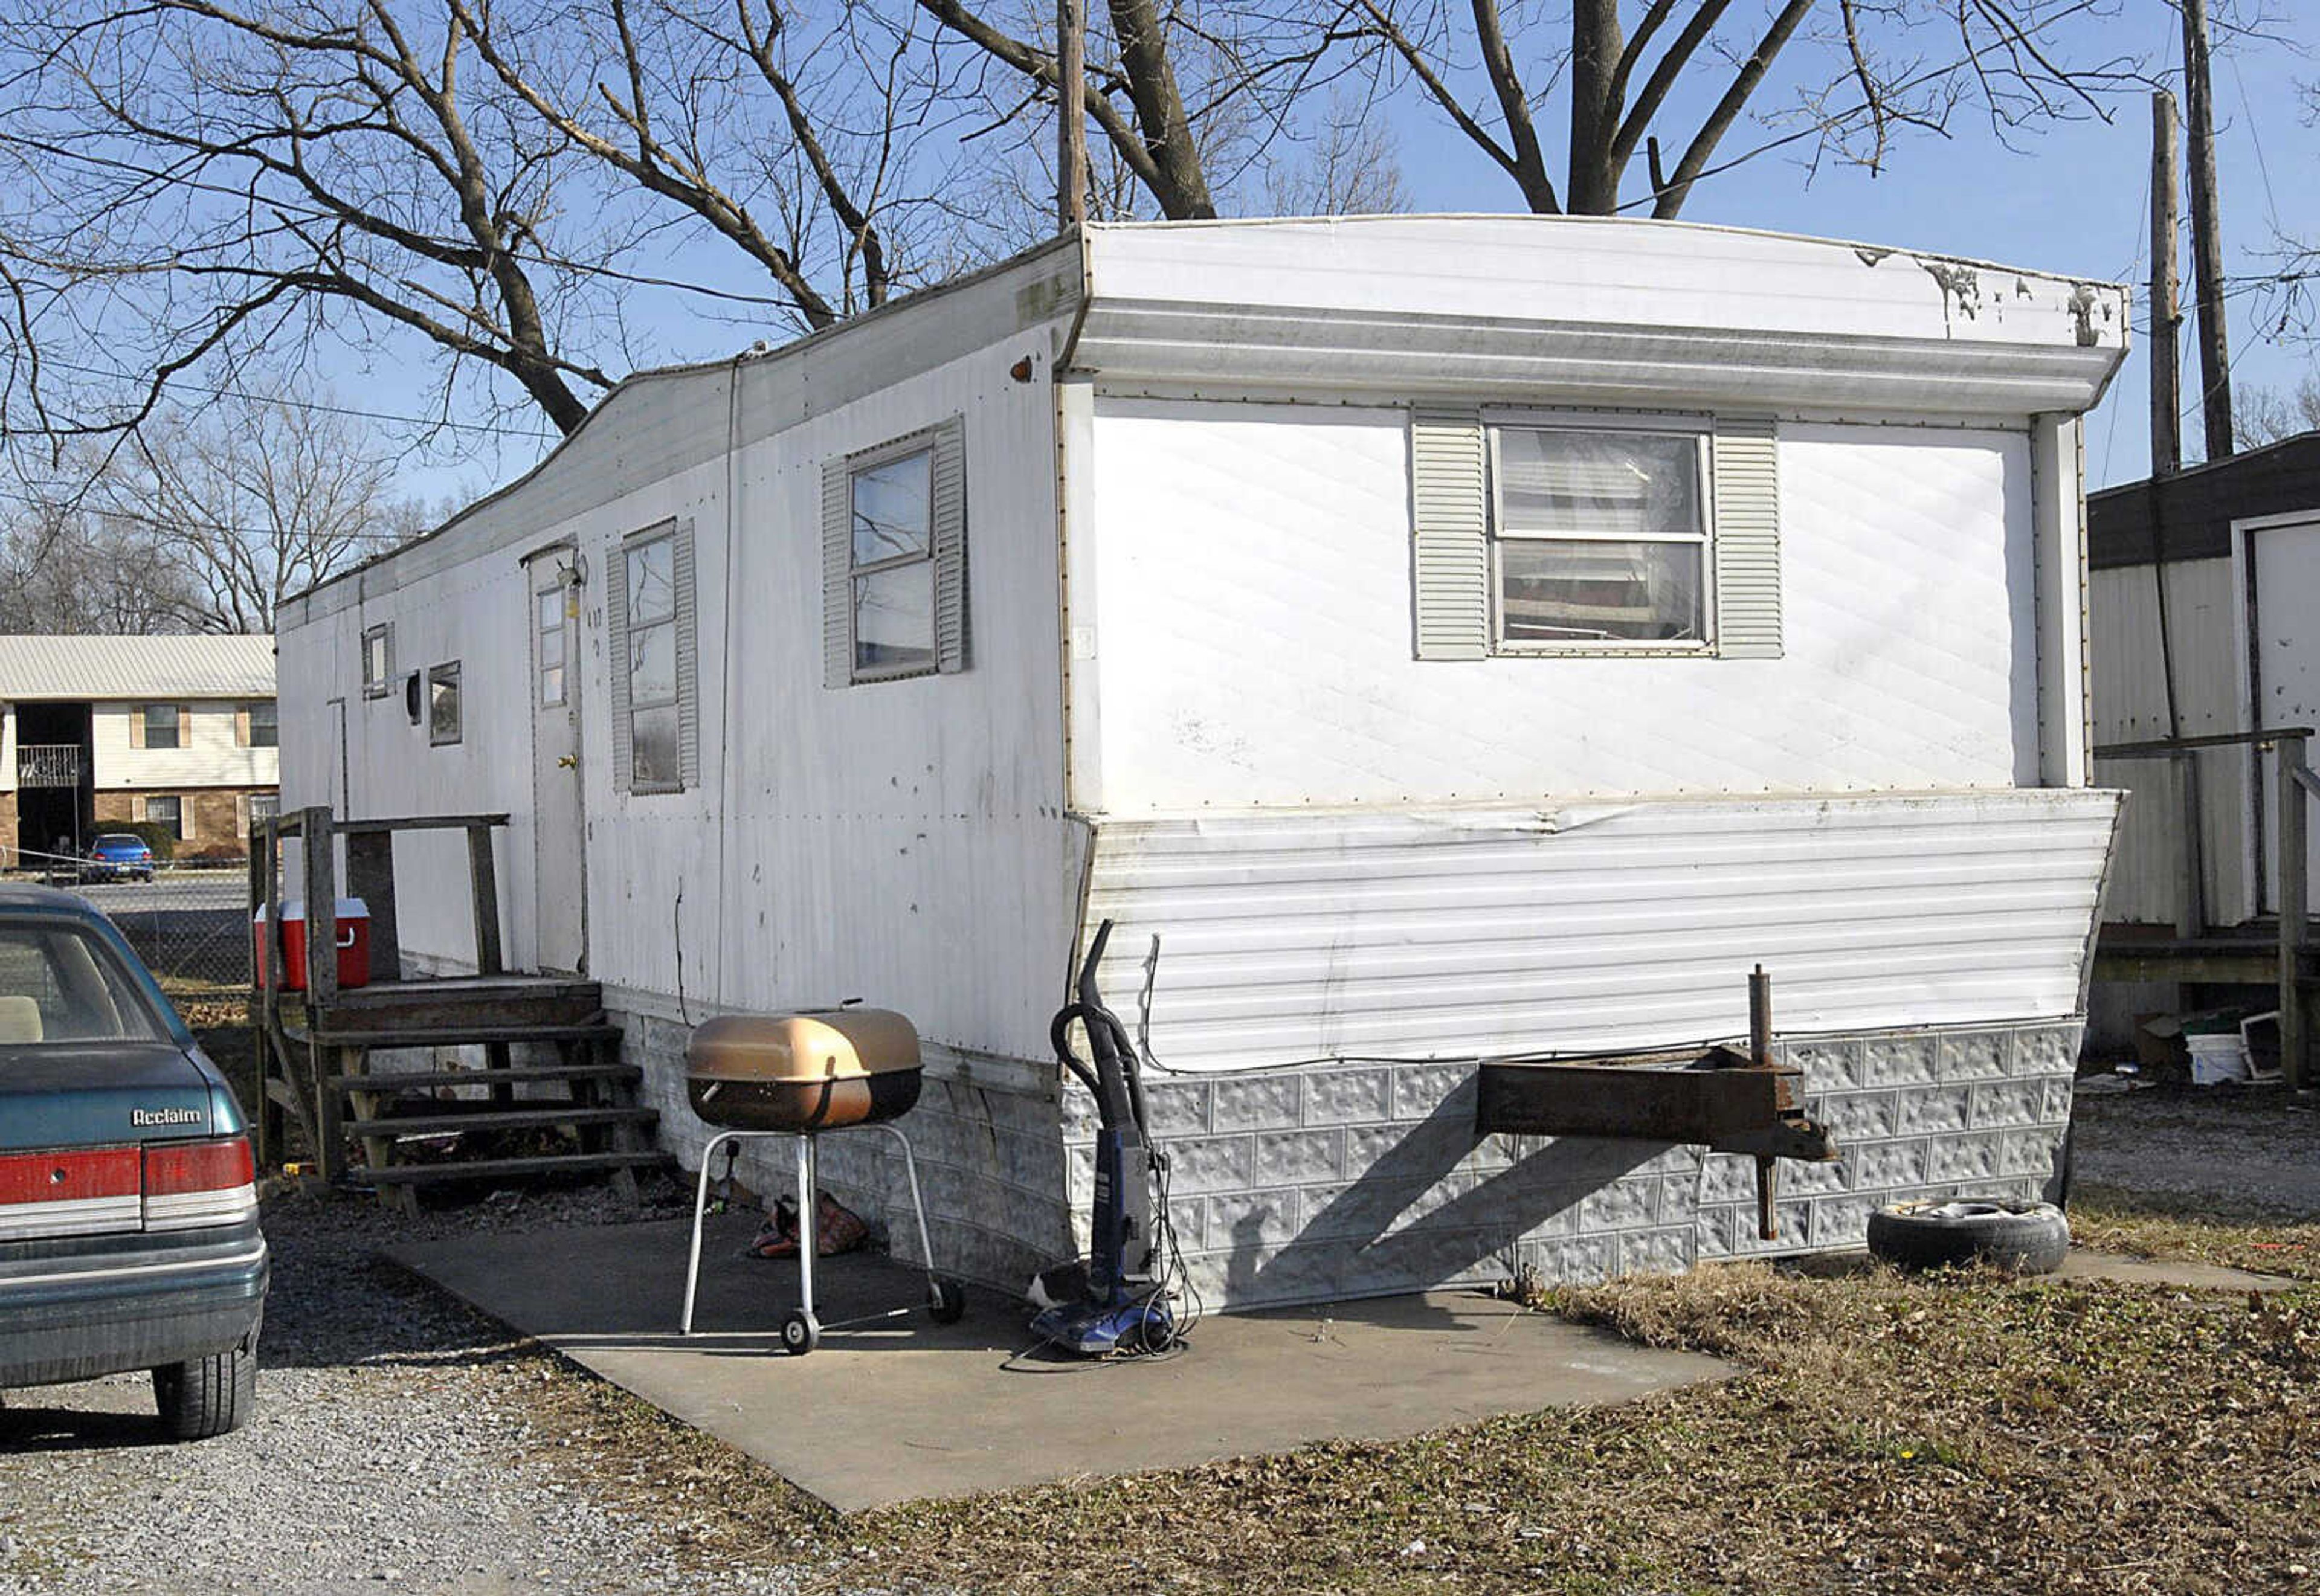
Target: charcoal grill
<point>803,1075</point>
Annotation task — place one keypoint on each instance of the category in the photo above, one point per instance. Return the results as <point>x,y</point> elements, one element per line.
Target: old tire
<point>208,1396</point>
<point>801,1333</point>
<point>2009,1233</point>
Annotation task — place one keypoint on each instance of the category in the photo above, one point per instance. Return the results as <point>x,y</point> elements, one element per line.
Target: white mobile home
<point>1451,637</point>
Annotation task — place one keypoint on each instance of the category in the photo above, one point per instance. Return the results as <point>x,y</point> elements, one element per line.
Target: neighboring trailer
<point>1229,581</point>
<point>2228,647</point>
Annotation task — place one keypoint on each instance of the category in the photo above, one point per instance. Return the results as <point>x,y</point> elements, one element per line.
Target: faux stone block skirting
<point>1345,1180</point>
<point>1325,1181</point>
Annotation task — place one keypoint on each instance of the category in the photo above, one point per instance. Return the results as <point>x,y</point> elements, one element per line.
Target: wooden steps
<point>486,1115</point>
<point>453,1035</point>
<point>577,1114</point>
<point>619,1165</point>
<point>514,1074</point>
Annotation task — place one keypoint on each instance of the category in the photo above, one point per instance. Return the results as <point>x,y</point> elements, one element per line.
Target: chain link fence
<point>190,927</point>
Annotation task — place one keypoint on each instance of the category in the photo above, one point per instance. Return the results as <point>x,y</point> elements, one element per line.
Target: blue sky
<point>2072,198</point>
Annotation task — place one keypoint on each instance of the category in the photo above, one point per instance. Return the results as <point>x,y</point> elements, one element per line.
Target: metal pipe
<point>1760,1019</point>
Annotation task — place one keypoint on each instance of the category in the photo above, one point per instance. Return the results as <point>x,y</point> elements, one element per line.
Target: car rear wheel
<point>208,1396</point>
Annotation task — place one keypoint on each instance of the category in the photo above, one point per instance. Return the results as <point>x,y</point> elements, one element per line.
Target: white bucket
<point>2217,1058</point>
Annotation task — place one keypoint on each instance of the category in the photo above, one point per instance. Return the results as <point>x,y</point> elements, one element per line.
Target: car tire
<point>208,1396</point>
<point>2027,1237</point>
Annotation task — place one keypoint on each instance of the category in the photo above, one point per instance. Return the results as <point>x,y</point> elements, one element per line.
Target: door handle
<point>568,762</point>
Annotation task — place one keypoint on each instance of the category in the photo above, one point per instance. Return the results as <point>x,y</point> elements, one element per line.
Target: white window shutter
<point>1450,515</point>
<point>1747,490</point>
<point>837,574</point>
<point>616,640</point>
<point>952,633</point>
<point>688,673</point>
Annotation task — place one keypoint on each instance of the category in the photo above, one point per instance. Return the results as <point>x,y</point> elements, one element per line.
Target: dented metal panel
<point>1481,931</point>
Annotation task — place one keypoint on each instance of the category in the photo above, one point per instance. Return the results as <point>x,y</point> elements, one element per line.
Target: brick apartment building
<point>96,732</point>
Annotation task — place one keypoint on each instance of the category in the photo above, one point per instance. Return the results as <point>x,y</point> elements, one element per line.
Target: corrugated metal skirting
<point>1295,937</point>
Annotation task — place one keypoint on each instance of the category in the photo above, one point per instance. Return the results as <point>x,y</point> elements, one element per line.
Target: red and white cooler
<point>354,943</point>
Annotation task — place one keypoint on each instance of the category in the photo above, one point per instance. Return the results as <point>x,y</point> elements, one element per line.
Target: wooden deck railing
<point>370,876</point>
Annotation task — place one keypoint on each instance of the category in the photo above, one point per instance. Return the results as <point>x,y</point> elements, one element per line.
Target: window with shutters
<point>655,693</point>
<point>894,553</point>
<point>168,814</point>
<point>163,726</point>
<point>262,724</point>
<point>1555,533</point>
<point>1598,539</point>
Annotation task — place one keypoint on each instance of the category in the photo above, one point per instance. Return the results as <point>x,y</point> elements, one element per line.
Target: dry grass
<point>1968,1433</point>
<point>2240,1236</point>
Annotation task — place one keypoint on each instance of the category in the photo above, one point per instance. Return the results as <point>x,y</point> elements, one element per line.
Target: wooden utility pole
<point>2166,313</point>
<point>2207,234</point>
<point>1071,130</point>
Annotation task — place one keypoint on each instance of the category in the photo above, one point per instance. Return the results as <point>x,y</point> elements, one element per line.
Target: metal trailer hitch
<point>1723,1099</point>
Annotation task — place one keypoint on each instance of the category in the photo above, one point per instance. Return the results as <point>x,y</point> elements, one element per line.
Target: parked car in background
<point>118,855</point>
<point>129,1227</point>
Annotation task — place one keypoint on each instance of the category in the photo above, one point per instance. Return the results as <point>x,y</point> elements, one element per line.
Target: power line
<point>538,434</point>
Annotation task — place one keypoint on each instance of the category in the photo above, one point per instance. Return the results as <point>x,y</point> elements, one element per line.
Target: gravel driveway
<point>2253,1147</point>
<point>400,1442</point>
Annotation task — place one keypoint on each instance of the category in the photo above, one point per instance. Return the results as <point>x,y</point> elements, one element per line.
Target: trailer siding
<point>1496,931</point>
<point>1251,567</point>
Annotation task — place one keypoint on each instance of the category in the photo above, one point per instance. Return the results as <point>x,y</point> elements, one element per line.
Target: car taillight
<point>192,1183</point>
<point>81,1192</point>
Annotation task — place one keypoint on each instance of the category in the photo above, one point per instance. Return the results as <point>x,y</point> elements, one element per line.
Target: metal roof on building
<point>2194,508</point>
<point>178,666</point>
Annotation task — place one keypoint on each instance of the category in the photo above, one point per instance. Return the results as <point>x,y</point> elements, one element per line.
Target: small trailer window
<point>378,661</point>
<point>1599,537</point>
<point>443,704</point>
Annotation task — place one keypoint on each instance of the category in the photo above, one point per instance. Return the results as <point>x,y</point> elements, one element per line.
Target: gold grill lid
<point>809,1044</point>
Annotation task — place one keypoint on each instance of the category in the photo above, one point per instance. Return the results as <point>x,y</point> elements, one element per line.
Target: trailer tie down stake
<point>1724,1101</point>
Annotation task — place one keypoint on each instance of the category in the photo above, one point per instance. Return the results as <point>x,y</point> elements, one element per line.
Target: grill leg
<point>809,1222</point>
<point>910,1168</point>
<point>700,1202</point>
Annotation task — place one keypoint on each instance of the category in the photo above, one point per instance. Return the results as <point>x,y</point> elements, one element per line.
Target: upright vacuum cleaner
<point>1120,1305</point>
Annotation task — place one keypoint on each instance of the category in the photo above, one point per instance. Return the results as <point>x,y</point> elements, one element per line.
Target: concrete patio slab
<point>896,1410</point>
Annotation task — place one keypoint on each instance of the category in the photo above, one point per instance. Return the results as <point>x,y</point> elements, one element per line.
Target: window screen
<point>1601,538</point>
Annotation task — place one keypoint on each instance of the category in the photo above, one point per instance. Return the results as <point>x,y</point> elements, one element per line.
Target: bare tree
<point>473,189</point>
<point>2266,415</point>
<point>802,147</point>
<point>196,183</point>
<point>252,505</point>
<point>66,569</point>
<point>1693,68</point>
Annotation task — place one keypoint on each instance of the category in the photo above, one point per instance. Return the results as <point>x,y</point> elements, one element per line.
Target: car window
<point>59,983</point>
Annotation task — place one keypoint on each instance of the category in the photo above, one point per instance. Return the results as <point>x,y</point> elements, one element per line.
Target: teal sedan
<point>129,1232</point>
